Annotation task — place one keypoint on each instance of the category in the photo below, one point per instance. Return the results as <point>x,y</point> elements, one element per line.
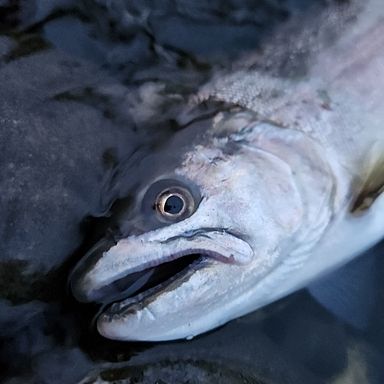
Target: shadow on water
<point>89,89</point>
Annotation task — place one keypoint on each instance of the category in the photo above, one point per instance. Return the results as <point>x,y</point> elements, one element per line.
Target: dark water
<point>87,88</point>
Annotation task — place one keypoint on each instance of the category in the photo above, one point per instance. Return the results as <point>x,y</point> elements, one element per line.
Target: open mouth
<point>134,271</point>
<point>149,279</point>
<point>138,285</point>
<point>151,282</point>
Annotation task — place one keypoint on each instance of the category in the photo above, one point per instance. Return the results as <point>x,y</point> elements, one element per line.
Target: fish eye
<point>168,201</point>
<point>174,203</point>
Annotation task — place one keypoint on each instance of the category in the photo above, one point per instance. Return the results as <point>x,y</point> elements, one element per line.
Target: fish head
<point>229,211</point>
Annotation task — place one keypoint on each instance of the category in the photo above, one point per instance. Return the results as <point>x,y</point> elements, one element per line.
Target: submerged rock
<point>54,160</point>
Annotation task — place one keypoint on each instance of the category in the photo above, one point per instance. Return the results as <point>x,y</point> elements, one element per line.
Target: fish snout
<point>80,281</point>
<point>140,276</point>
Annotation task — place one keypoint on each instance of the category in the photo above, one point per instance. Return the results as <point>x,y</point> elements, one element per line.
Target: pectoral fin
<point>350,292</point>
<point>373,185</point>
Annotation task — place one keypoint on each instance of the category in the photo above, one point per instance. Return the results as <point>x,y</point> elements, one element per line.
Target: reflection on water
<point>72,131</point>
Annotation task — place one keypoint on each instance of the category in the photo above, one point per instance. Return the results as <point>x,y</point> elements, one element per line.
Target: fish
<point>279,188</point>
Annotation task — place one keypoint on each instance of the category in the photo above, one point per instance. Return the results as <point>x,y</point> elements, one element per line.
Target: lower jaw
<point>144,294</point>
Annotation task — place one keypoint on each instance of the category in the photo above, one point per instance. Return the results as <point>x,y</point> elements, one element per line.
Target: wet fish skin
<point>277,182</point>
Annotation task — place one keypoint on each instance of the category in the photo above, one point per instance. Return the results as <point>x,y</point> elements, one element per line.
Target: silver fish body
<point>265,196</point>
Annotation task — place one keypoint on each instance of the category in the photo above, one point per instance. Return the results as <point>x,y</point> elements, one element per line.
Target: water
<point>88,88</point>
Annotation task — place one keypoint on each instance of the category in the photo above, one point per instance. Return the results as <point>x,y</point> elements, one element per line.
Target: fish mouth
<point>138,289</point>
<point>152,278</point>
<point>112,269</point>
<point>136,272</point>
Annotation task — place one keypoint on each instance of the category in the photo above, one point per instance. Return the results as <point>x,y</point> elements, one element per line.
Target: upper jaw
<point>138,254</point>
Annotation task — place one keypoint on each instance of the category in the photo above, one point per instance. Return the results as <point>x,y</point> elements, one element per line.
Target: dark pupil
<point>173,205</point>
